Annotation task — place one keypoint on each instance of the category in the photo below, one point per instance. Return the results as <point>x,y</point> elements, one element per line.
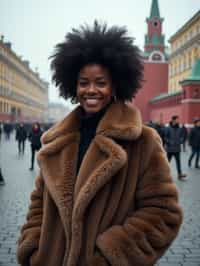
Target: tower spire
<point>155,12</point>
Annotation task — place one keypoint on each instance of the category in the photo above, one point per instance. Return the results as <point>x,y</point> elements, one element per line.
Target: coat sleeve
<point>30,231</point>
<point>150,229</point>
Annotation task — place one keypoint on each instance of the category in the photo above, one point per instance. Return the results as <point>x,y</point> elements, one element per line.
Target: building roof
<point>155,12</point>
<point>164,96</point>
<point>185,26</point>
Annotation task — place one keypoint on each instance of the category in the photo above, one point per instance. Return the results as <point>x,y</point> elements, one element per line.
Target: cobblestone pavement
<point>14,200</point>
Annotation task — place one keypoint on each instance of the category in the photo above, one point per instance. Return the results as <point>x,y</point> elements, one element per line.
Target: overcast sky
<point>35,26</point>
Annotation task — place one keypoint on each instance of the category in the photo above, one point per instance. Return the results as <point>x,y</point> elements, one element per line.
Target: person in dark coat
<point>34,138</point>
<point>160,128</point>
<point>185,136</point>
<point>194,142</point>
<point>7,130</point>
<point>21,136</point>
<point>2,182</point>
<point>0,131</point>
<point>174,137</point>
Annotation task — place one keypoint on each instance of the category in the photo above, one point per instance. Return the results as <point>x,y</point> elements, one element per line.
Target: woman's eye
<point>101,84</point>
<point>83,83</point>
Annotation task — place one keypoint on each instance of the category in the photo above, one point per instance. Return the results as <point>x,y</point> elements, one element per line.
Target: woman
<point>104,195</point>
<point>34,138</point>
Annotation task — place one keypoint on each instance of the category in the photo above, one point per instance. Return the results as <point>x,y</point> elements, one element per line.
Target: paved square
<point>14,200</point>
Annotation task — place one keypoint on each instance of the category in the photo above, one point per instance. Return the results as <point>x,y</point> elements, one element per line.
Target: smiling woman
<point>94,88</point>
<point>104,195</point>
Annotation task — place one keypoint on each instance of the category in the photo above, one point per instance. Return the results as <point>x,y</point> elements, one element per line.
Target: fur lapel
<point>58,158</point>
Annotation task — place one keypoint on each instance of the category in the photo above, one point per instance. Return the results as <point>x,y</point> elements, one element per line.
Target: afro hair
<point>110,47</point>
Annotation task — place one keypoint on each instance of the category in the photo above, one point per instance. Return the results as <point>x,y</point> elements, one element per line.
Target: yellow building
<point>23,94</point>
<point>185,49</point>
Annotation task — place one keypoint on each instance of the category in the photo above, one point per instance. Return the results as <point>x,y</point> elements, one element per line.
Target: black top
<point>87,132</point>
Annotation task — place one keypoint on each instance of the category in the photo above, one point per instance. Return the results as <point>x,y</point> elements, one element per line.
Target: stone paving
<point>14,200</point>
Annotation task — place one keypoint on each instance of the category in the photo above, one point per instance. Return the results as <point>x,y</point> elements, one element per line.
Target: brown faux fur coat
<point>122,207</point>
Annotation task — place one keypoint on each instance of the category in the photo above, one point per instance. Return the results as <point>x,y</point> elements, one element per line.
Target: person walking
<point>194,142</point>
<point>174,137</point>
<point>34,139</point>
<point>185,137</point>
<point>7,130</point>
<point>21,136</point>
<point>104,195</point>
<point>160,128</point>
<point>2,182</point>
<point>0,131</point>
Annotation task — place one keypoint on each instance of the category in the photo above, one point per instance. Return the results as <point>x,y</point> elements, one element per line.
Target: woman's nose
<point>91,88</point>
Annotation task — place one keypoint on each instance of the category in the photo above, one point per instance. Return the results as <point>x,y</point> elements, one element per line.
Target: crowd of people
<point>174,138</point>
<point>23,132</point>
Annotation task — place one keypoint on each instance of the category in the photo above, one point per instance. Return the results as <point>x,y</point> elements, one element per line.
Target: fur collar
<point>121,121</point>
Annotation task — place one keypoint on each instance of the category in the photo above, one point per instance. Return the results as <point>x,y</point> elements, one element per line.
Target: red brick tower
<point>155,63</point>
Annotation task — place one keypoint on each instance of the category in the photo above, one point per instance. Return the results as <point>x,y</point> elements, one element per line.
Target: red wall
<point>164,114</point>
<point>156,82</point>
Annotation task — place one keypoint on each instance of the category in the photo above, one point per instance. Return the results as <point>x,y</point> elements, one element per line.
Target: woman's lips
<point>92,101</point>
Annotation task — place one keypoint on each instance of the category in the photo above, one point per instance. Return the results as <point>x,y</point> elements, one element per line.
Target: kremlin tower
<point>155,63</point>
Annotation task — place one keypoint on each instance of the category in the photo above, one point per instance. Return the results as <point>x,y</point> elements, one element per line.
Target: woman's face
<point>94,88</point>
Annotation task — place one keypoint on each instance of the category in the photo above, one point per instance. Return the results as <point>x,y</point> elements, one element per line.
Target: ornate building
<point>185,49</point>
<point>23,94</point>
<point>177,92</point>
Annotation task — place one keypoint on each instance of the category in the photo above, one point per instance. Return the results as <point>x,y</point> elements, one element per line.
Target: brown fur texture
<point>121,209</point>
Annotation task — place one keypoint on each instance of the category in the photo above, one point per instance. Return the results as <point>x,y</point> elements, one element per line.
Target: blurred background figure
<point>185,137</point>
<point>194,142</point>
<point>34,138</point>
<point>160,128</point>
<point>0,131</point>
<point>21,136</point>
<point>7,130</point>
<point>2,182</point>
<point>173,139</point>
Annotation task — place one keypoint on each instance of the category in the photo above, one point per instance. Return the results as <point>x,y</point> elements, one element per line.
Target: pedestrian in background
<point>0,131</point>
<point>7,130</point>
<point>174,137</point>
<point>105,195</point>
<point>2,182</point>
<point>160,128</point>
<point>185,137</point>
<point>21,136</point>
<point>194,142</point>
<point>34,138</point>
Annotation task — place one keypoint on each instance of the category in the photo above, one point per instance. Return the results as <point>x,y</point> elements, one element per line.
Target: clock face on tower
<point>156,57</point>
<point>155,23</point>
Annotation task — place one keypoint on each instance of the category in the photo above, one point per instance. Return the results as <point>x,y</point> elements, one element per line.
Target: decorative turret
<point>154,39</point>
<point>191,85</point>
<point>195,74</point>
<point>191,93</point>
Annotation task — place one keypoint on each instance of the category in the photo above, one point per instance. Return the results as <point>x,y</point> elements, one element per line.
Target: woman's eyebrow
<point>82,77</point>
